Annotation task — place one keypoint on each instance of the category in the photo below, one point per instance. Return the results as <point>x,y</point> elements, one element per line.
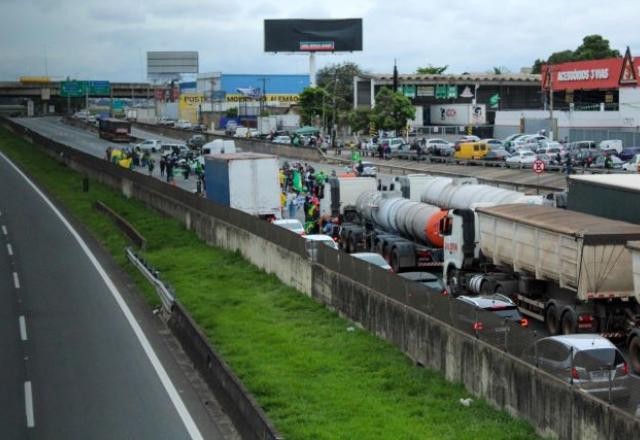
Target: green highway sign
<point>79,88</point>
<point>73,88</point>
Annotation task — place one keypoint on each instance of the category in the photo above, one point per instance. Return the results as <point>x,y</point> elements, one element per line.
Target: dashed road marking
<point>23,328</point>
<point>16,280</point>
<point>4,230</point>
<point>9,249</point>
<point>28,404</point>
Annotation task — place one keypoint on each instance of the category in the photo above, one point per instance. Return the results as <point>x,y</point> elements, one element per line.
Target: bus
<point>115,130</point>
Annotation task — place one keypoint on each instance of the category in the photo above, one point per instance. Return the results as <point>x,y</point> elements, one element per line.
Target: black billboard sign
<point>298,35</point>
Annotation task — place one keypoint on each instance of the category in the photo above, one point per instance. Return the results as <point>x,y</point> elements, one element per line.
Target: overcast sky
<point>108,39</point>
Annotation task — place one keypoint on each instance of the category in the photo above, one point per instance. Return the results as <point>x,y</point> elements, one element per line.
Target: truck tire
<point>569,322</point>
<point>394,262</point>
<point>634,354</point>
<point>551,320</point>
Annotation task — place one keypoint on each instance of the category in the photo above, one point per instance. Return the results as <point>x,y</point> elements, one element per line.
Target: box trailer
<point>244,181</point>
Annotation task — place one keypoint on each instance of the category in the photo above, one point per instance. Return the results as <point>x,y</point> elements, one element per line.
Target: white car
<point>633,164</point>
<point>282,140</point>
<point>373,258</point>
<point>183,124</point>
<point>439,147</point>
<point>150,145</point>
<point>523,157</point>
<point>291,224</point>
<point>369,169</point>
<point>322,238</point>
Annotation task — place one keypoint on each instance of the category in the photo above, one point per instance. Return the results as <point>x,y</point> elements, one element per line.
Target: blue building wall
<point>274,84</point>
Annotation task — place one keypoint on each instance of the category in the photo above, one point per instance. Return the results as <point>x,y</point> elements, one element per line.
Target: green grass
<point>314,378</point>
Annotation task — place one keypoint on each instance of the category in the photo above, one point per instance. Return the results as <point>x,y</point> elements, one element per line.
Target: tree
<point>232,112</point>
<point>593,47</point>
<point>431,70</point>
<point>359,119</point>
<point>500,70</point>
<point>314,103</point>
<point>392,110</point>
<point>339,78</point>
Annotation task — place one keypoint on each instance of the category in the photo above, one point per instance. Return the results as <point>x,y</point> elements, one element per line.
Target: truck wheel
<point>353,244</point>
<point>551,319</point>
<point>569,322</point>
<point>395,261</point>
<point>634,354</point>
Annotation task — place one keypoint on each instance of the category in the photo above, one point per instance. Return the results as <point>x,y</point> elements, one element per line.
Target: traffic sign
<point>538,166</point>
<point>99,88</point>
<point>79,88</point>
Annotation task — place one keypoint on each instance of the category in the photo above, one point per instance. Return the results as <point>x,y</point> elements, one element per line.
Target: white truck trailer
<point>245,181</point>
<point>568,269</point>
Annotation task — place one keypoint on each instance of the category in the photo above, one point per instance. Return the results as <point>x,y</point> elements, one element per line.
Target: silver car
<point>587,361</point>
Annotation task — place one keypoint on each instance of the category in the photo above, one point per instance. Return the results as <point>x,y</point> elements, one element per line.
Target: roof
<point>635,245</point>
<point>240,156</point>
<point>591,229</point>
<point>525,78</point>
<point>488,301</point>
<point>619,180</point>
<point>584,341</point>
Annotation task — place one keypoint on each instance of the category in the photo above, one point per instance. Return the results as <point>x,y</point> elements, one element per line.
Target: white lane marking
<point>4,229</point>
<point>16,280</point>
<point>28,404</point>
<point>9,249</point>
<point>186,418</point>
<point>23,328</point>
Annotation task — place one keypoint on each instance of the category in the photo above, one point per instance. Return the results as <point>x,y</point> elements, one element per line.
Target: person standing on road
<point>169,171</point>
<point>150,165</point>
<point>108,154</point>
<point>187,170</point>
<point>163,163</point>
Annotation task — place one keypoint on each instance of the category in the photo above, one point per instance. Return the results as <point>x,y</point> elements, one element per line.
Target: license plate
<point>599,375</point>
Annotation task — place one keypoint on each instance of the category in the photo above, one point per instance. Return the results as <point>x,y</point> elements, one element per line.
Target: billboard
<point>189,106</point>
<point>299,35</point>
<point>167,64</point>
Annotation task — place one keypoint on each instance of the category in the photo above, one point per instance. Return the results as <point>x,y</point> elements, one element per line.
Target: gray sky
<point>108,39</point>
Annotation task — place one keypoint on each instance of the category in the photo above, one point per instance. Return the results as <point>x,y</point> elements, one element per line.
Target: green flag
<point>355,155</point>
<point>297,181</point>
<point>494,100</point>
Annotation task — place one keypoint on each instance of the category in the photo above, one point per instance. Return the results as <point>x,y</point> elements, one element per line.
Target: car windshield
<point>527,153</point>
<point>598,358</point>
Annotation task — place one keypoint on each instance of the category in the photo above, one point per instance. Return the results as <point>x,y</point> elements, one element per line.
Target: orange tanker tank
<point>432,228</point>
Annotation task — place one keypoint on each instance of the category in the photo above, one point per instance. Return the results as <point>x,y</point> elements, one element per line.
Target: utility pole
<point>550,78</point>
<point>335,125</point>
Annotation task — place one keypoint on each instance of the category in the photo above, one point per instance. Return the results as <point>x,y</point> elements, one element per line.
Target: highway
<point>80,358</point>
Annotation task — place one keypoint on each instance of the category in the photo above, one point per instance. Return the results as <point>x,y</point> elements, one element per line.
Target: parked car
<point>611,145</point>
<point>438,147</point>
<point>494,143</point>
<point>499,304</point>
<point>509,140</point>
<point>291,224</point>
<point>166,121</point>
<point>470,150</point>
<point>523,157</point>
<point>373,258</point>
<point>181,123</point>
<point>168,148</point>
<point>633,164</point>
<point>581,145</point>
<point>369,169</point>
<point>616,162</point>
<point>587,361</point>
<point>196,141</point>
<point>150,145</point>
<point>469,138</point>
<point>324,239</point>
<point>628,152</point>
<point>282,140</point>
<point>427,279</point>
<point>497,155</point>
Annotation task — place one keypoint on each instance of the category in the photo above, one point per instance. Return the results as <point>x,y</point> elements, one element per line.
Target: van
<point>470,150</point>
<point>611,145</point>
<point>218,146</point>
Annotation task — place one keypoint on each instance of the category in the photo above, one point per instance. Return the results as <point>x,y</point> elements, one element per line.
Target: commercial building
<point>592,100</point>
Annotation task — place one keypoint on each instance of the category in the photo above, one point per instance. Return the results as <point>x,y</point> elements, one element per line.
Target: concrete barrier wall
<point>248,418</point>
<point>551,406</point>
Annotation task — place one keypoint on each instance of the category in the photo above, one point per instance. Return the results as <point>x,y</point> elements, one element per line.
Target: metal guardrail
<point>166,297</point>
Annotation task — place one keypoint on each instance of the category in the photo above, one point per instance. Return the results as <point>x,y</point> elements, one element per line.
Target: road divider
<point>136,237</point>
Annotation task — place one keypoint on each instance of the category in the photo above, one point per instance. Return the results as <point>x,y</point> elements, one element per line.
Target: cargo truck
<point>244,181</point>
<point>570,270</point>
<point>341,193</point>
<point>404,232</point>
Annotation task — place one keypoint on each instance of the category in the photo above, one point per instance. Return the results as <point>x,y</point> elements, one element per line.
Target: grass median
<point>315,375</point>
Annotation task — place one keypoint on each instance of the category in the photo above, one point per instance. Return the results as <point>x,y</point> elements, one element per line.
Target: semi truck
<point>244,181</point>
<point>404,232</point>
<point>341,193</point>
<point>570,270</point>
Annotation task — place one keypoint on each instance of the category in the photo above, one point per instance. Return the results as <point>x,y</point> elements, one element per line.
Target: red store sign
<point>610,73</point>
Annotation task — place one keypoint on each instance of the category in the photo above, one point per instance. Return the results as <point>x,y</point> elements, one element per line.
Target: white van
<point>611,144</point>
<point>219,146</point>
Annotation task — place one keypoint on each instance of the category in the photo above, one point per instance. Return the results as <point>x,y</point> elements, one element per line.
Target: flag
<point>494,100</point>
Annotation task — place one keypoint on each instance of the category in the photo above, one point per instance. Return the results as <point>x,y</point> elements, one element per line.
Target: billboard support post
<point>312,69</point>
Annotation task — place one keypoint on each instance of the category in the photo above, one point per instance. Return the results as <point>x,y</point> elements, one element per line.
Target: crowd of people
<point>302,188</point>
<point>171,164</point>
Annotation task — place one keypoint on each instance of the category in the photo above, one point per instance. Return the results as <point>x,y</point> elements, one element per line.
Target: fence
<point>474,347</point>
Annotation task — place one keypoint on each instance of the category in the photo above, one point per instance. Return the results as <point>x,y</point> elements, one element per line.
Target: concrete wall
<point>551,406</point>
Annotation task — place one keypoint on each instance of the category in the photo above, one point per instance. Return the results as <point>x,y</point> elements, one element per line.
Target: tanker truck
<point>404,232</point>
<point>567,269</point>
